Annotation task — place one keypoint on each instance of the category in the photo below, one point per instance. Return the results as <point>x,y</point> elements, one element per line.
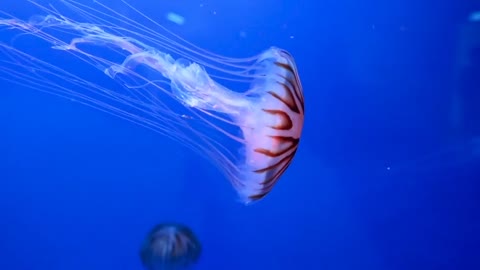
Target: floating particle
<point>174,17</point>
<point>475,16</point>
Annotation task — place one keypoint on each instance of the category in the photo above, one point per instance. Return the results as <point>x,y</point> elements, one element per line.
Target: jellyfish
<point>245,115</point>
<point>170,246</point>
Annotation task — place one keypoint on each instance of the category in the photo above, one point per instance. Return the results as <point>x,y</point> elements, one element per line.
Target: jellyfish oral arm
<point>190,83</point>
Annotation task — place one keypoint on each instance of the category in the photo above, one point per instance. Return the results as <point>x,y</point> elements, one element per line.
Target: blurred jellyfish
<point>168,85</point>
<point>170,246</point>
<point>462,147</point>
<point>461,154</point>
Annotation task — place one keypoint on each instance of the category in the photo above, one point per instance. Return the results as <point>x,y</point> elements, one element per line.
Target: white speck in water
<point>475,16</point>
<point>174,17</point>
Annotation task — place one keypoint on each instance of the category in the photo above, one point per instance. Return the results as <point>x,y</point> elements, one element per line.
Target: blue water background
<point>79,189</point>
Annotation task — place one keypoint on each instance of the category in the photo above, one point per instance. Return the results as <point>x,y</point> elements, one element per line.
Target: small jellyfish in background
<point>170,246</point>
<point>245,115</point>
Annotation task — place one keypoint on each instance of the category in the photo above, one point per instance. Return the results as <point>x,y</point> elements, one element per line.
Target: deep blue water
<point>384,178</point>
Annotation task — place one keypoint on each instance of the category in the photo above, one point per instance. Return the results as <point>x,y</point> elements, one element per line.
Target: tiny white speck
<point>174,17</point>
<point>475,16</point>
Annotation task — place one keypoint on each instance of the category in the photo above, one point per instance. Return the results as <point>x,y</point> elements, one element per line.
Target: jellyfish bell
<point>170,246</point>
<point>244,115</point>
